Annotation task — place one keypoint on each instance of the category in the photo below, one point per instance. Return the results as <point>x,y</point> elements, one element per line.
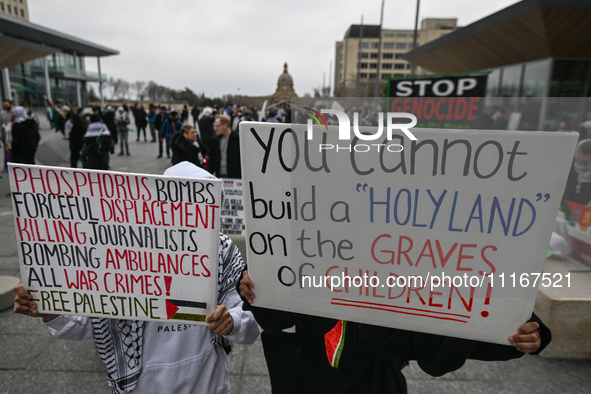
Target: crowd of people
<point>151,358</point>
<point>210,141</point>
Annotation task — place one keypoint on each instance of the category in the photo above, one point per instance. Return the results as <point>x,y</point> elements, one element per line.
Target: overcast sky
<point>232,47</point>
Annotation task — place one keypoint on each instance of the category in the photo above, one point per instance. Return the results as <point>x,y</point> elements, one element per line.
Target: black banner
<point>452,102</point>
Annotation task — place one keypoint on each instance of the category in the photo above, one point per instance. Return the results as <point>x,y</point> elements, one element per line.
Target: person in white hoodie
<point>154,357</point>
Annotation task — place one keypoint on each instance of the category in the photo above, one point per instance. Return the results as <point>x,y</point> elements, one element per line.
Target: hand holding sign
<point>24,305</point>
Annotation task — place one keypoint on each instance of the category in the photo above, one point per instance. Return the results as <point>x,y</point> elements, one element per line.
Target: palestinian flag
<point>334,341</point>
<point>184,310</point>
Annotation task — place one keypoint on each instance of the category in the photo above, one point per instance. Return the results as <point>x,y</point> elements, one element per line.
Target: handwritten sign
<point>451,102</point>
<point>109,244</point>
<point>232,216</point>
<point>446,234</point>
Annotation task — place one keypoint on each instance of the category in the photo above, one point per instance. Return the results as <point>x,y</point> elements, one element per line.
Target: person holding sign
<point>335,356</point>
<point>155,357</point>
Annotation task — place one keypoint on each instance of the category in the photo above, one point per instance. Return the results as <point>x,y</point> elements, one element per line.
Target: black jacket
<point>184,150</point>
<point>25,139</point>
<point>159,121</point>
<point>372,356</point>
<point>233,156</point>
<point>206,130</point>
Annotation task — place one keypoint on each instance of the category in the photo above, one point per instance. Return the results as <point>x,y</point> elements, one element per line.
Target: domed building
<point>284,92</point>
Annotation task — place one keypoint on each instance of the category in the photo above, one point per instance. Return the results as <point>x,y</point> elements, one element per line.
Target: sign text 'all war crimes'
<point>108,244</point>
<point>430,238</point>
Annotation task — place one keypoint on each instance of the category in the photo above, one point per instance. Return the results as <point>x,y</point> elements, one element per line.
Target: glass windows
<point>374,45</point>
<point>373,55</point>
<point>398,56</point>
<point>365,45</point>
<point>364,55</point>
<point>373,65</point>
<point>387,65</point>
<point>492,83</point>
<point>372,76</point>
<point>510,82</point>
<point>568,78</point>
<point>400,45</point>
<point>363,75</point>
<point>363,65</point>
<point>387,56</point>
<point>399,66</point>
<point>388,45</point>
<point>535,76</point>
<point>386,76</point>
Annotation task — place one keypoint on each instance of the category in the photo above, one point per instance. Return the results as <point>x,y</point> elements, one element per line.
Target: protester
<point>195,115</point>
<point>96,144</point>
<point>224,155</point>
<point>187,146</point>
<point>272,117</point>
<point>184,114</point>
<point>59,116</point>
<point>500,120</point>
<point>77,133</point>
<point>206,128</point>
<point>235,118</point>
<point>151,119</point>
<point>155,357</point>
<point>6,115</point>
<point>25,137</point>
<point>372,357</point>
<point>140,122</point>
<point>121,121</point>
<point>582,168</point>
<point>158,122</point>
<point>170,127</point>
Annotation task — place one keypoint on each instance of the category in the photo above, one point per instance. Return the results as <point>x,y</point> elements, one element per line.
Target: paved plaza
<point>31,361</point>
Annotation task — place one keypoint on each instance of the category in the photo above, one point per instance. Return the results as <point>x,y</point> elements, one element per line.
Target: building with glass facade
<point>37,62</point>
<point>537,53</point>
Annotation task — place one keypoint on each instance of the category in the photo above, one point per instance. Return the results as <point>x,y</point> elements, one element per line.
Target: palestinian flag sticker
<point>184,310</point>
<point>334,341</point>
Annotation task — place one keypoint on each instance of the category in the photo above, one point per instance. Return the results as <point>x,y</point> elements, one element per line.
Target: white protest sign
<point>116,245</point>
<point>232,215</point>
<point>447,236</point>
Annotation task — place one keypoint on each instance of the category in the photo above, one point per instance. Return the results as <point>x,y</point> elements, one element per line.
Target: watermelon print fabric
<point>334,341</point>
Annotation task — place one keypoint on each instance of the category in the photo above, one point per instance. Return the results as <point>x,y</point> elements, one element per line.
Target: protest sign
<point>452,102</point>
<point>109,244</point>
<point>232,215</point>
<point>447,235</point>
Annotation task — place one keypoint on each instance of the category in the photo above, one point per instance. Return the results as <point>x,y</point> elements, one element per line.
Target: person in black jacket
<point>206,129</point>
<point>372,357</point>
<point>158,122</point>
<point>141,121</point>
<point>25,137</point>
<point>224,155</point>
<point>195,114</point>
<point>76,136</point>
<point>187,146</point>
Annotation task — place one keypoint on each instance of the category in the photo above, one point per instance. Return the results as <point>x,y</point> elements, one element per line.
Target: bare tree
<point>117,88</point>
<point>140,89</point>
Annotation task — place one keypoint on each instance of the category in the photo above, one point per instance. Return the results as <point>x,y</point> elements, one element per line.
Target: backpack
<point>103,144</point>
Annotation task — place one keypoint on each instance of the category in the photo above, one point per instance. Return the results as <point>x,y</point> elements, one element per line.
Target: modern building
<point>17,8</point>
<point>537,53</point>
<point>357,55</point>
<point>37,61</point>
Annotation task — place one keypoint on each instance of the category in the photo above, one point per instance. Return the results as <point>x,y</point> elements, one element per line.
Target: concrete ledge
<point>7,283</point>
<point>567,310</point>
